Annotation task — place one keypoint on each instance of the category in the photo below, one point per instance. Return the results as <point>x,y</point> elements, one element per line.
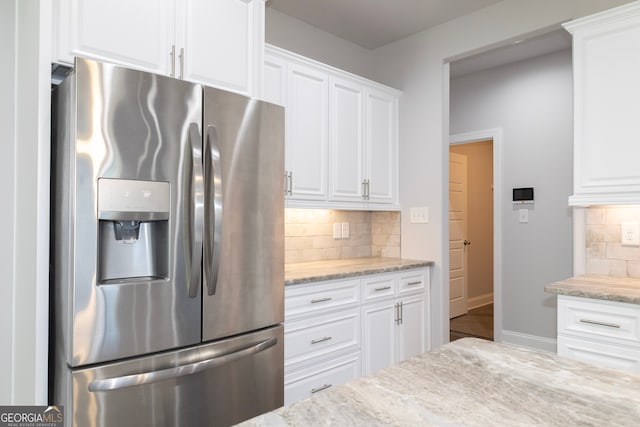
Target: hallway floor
<point>476,323</point>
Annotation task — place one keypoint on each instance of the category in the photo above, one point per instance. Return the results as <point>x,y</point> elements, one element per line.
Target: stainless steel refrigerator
<point>167,251</point>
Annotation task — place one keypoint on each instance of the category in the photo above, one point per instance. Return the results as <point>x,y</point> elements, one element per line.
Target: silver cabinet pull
<point>382,288</point>
<point>181,57</point>
<point>401,312</point>
<point>322,387</point>
<point>172,55</point>
<point>315,301</point>
<point>414,283</point>
<point>595,322</point>
<point>319,340</point>
<point>288,183</point>
<point>364,189</point>
<point>397,319</point>
<point>368,189</point>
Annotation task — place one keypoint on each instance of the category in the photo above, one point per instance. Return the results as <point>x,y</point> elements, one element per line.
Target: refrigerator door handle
<point>116,383</point>
<point>193,234</point>
<point>213,225</point>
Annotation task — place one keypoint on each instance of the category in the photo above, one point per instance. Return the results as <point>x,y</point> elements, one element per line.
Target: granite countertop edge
<point>344,269</point>
<point>607,288</point>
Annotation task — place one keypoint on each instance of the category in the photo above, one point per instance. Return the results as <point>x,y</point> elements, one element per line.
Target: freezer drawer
<point>214,384</point>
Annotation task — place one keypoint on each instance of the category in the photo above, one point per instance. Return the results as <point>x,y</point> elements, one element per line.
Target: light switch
<point>630,234</point>
<point>345,230</point>
<point>419,215</point>
<point>523,216</point>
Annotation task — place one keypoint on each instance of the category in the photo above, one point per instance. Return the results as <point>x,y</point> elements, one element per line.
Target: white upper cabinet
<point>606,60</point>
<point>218,43</point>
<point>342,134</point>
<point>382,146</point>
<point>347,143</point>
<point>306,119</point>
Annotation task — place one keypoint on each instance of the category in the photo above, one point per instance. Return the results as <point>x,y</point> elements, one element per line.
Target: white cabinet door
<point>382,146</point>
<point>220,42</point>
<point>137,33</point>
<point>274,86</point>
<point>346,140</point>
<point>606,108</point>
<point>306,120</point>
<point>411,331</point>
<point>379,328</point>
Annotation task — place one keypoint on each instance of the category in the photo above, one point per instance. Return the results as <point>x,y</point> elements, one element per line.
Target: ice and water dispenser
<point>133,231</point>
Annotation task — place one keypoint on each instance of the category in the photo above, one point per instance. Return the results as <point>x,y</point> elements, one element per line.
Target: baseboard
<point>531,341</point>
<point>480,301</point>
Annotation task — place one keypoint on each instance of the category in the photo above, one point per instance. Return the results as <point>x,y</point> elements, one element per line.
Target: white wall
<point>416,65</point>
<point>24,161</point>
<point>532,101</point>
<point>297,36</point>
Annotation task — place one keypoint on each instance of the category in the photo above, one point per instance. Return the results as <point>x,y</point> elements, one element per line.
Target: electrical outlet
<point>345,230</point>
<point>630,234</point>
<point>337,230</point>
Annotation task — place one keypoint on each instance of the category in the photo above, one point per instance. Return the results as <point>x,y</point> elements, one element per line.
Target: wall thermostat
<point>523,195</point>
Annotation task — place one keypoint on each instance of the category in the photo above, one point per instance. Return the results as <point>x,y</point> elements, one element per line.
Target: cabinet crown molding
<point>604,17</point>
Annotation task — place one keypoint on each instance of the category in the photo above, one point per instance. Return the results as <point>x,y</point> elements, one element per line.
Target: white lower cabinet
<point>605,333</point>
<point>395,326</point>
<point>305,382</point>
<point>338,330</point>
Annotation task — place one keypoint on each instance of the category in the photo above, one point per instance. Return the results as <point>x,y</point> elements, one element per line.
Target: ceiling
<point>374,23</point>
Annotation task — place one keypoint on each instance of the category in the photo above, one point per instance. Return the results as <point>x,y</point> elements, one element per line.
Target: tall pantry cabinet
<point>219,43</point>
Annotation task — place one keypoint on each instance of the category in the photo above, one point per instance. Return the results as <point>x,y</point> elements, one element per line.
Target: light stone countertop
<point>472,382</point>
<point>621,289</point>
<point>305,272</point>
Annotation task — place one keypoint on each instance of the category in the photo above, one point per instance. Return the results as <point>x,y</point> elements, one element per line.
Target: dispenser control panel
<point>120,198</point>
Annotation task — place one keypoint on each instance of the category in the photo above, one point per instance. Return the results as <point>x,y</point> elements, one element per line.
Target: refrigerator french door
<point>167,250</point>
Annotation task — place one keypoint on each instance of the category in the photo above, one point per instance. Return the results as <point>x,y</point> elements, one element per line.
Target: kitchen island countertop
<point>313,271</point>
<point>471,382</point>
<point>610,288</point>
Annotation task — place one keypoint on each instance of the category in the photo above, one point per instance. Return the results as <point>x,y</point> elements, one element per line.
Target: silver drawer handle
<point>323,387</point>
<point>382,288</point>
<point>323,339</point>
<point>413,283</point>
<point>593,322</point>
<point>315,301</point>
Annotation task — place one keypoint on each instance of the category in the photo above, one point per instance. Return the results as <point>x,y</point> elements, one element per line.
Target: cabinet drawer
<point>379,286</point>
<point>614,322</point>
<point>609,356</point>
<point>317,297</point>
<point>411,282</point>
<point>321,335</point>
<point>307,382</point>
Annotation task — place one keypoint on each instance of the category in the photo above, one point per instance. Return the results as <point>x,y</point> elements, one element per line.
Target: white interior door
<point>457,234</point>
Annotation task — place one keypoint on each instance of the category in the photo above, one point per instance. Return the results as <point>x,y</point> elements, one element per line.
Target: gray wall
<point>532,102</point>
<point>297,36</point>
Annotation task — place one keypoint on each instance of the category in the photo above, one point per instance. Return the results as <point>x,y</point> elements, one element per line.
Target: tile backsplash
<point>604,252</point>
<point>309,234</point>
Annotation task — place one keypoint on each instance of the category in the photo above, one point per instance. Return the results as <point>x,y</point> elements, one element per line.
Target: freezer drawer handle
<point>213,209</point>
<point>322,387</point>
<point>117,383</point>
<point>595,322</point>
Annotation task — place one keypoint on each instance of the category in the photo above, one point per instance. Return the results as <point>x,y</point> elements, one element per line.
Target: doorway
<point>471,236</point>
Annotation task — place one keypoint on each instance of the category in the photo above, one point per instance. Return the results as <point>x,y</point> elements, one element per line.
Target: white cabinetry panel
<point>382,148</point>
<point>605,333</point>
<point>219,43</point>
<point>606,108</point>
<point>379,327</point>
